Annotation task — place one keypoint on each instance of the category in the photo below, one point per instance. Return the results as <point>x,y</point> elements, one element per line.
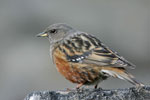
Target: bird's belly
<point>76,72</point>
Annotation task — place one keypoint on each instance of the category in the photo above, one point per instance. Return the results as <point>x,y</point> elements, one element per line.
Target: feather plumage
<point>88,49</point>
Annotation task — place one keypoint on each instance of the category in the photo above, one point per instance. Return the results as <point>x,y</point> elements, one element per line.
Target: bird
<point>83,59</point>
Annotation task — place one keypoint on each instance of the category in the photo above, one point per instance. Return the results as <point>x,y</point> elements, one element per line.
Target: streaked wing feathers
<point>86,48</point>
<point>107,57</point>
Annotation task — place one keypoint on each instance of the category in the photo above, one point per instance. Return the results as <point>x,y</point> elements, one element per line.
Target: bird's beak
<point>43,34</point>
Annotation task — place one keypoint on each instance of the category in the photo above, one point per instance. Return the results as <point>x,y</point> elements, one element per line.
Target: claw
<point>79,85</point>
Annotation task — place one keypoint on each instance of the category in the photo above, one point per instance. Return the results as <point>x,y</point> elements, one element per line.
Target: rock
<point>92,94</point>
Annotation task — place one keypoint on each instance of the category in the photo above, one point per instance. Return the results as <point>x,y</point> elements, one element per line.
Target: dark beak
<point>43,34</point>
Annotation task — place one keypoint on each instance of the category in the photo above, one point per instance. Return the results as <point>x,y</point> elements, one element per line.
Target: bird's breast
<point>75,72</point>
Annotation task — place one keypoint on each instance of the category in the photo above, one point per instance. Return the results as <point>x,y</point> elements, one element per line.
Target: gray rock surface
<point>92,94</point>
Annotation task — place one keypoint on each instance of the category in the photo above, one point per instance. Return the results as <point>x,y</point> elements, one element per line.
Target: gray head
<point>57,32</point>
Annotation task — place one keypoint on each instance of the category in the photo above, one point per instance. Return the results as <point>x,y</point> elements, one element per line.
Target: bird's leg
<point>68,89</point>
<point>79,85</point>
<point>96,86</point>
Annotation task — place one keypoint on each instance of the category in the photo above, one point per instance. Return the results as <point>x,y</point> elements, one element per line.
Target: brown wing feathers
<point>88,49</point>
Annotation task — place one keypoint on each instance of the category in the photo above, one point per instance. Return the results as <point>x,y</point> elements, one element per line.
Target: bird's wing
<point>106,57</point>
<point>88,49</point>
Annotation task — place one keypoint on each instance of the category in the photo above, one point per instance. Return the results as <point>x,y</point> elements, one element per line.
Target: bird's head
<point>56,32</point>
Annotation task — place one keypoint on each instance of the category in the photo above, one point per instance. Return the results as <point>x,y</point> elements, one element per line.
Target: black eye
<point>53,31</point>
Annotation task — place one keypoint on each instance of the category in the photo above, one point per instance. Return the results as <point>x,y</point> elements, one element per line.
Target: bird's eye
<point>53,31</point>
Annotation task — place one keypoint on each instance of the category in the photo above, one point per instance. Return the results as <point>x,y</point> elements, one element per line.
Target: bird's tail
<point>122,74</point>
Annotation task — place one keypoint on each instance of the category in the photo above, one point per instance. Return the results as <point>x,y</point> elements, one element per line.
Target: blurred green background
<point>25,64</point>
